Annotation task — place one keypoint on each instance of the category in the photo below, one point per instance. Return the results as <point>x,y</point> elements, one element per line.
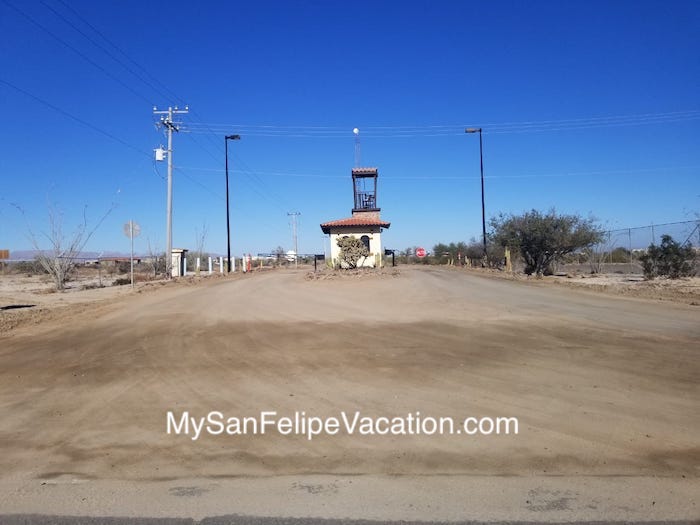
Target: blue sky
<point>588,107</point>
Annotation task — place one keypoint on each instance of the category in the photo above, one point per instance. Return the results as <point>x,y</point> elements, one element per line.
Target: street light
<point>228,216</point>
<point>483,206</point>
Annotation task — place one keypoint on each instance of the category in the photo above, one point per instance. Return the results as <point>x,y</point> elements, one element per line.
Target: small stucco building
<point>364,224</point>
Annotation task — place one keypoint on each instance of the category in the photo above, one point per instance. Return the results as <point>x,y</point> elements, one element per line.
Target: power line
<point>346,129</point>
<point>73,117</point>
<point>303,131</point>
<point>180,170</point>
<point>247,170</point>
<point>693,113</point>
<point>100,46</point>
<point>143,78</point>
<point>154,80</point>
<point>77,52</point>
<point>635,171</point>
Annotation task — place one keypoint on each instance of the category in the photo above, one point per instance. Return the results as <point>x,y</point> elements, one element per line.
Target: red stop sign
<point>420,252</point>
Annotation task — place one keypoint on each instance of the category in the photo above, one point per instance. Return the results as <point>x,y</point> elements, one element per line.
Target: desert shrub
<point>543,239</point>
<point>669,259</point>
<point>620,255</point>
<point>155,264</point>
<point>203,262</point>
<point>28,267</point>
<point>352,250</point>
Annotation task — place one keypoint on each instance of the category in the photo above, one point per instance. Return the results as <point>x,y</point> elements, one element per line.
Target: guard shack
<point>179,262</point>
<point>365,222</point>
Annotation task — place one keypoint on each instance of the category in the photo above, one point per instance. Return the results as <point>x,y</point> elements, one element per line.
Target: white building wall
<point>375,245</point>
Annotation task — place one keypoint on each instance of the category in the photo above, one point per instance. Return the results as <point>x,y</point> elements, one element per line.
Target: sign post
<point>131,230</point>
<point>4,255</point>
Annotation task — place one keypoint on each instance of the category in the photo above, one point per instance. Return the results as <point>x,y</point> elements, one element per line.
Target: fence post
<point>629,239</point>
<point>209,265</point>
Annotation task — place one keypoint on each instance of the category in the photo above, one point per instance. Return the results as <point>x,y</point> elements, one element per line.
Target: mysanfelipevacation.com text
<point>355,423</point>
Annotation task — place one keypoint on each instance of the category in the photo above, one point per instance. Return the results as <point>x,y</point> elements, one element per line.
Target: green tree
<point>451,253</point>
<point>443,254</point>
<point>352,250</point>
<point>670,259</point>
<point>544,238</point>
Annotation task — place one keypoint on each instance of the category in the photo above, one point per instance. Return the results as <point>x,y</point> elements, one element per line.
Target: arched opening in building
<point>365,241</point>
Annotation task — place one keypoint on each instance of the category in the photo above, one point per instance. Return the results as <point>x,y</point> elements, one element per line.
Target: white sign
<point>132,228</point>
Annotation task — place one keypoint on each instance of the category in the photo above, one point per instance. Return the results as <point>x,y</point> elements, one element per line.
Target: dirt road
<point>602,387</point>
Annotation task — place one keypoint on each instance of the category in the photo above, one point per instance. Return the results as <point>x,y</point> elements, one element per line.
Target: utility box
<point>179,262</point>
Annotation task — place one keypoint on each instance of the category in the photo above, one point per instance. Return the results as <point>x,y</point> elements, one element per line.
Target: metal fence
<point>620,249</point>
<point>641,237</point>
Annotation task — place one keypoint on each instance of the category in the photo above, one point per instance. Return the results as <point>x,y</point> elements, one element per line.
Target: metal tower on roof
<point>364,186</point>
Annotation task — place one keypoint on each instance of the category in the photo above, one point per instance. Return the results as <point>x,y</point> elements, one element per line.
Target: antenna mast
<point>356,131</point>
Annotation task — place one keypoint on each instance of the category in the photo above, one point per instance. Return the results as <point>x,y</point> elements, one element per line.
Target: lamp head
<point>472,130</point>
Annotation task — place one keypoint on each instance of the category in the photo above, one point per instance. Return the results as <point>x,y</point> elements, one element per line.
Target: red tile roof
<point>351,222</point>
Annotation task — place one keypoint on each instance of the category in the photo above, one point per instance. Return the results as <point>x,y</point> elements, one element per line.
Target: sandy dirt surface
<point>685,290</point>
<point>605,390</point>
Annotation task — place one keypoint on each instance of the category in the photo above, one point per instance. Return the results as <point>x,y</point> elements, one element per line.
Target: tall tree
<point>543,238</point>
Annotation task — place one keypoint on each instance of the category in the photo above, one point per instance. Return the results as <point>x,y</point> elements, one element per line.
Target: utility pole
<point>294,215</point>
<point>228,215</point>
<point>483,205</point>
<point>166,120</point>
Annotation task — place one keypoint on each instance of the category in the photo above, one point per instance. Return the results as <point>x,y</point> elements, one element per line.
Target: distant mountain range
<point>30,255</point>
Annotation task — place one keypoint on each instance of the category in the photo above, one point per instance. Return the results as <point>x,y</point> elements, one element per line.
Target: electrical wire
<point>154,82</point>
<point>163,88</point>
<point>77,52</point>
<point>73,117</point>
<point>445,177</point>
<point>198,183</point>
<point>131,70</point>
<point>448,130</point>
<point>100,46</point>
<point>344,129</point>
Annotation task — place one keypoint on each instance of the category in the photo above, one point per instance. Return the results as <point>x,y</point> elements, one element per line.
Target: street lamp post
<point>228,216</point>
<point>483,205</point>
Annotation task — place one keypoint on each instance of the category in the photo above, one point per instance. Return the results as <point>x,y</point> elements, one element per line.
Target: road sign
<point>420,252</point>
<point>132,228</point>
